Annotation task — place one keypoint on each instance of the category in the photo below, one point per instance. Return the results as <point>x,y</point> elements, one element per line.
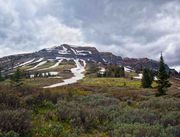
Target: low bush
<point>139,130</point>
<point>18,121</point>
<point>162,104</point>
<point>9,134</point>
<point>171,119</point>
<point>54,130</point>
<point>132,115</point>
<point>9,101</point>
<point>85,111</point>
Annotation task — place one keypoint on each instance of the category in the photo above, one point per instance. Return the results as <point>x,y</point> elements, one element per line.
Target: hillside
<point>71,52</point>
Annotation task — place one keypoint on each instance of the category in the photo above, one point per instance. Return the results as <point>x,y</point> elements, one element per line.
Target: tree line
<point>113,71</point>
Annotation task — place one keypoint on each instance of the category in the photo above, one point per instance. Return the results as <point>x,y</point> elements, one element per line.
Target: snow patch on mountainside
<point>56,65</point>
<point>53,66</point>
<point>139,76</point>
<point>81,52</point>
<point>39,60</point>
<point>64,51</point>
<point>127,69</point>
<point>25,63</point>
<point>40,64</point>
<point>78,75</point>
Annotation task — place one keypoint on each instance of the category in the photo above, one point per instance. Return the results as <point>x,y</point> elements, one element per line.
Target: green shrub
<point>139,130</point>
<point>96,100</point>
<point>9,134</point>
<point>54,130</point>
<point>9,100</point>
<point>176,131</point>
<point>16,120</point>
<point>133,115</point>
<point>39,99</point>
<point>171,119</point>
<point>51,131</point>
<point>162,104</point>
<point>85,111</point>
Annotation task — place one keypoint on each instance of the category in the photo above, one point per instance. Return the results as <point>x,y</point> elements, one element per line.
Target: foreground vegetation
<point>87,110</point>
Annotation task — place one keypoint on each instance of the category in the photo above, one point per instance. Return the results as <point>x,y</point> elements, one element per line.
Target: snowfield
<point>81,52</point>
<point>56,65</point>
<point>40,64</point>
<point>53,66</point>
<point>39,60</point>
<point>78,75</point>
<point>64,51</point>
<point>127,69</point>
<point>139,76</point>
<point>25,63</point>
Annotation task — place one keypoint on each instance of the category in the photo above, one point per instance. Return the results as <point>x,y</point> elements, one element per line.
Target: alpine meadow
<point>106,68</point>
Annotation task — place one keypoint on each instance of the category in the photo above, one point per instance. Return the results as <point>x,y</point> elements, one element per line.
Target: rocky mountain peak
<point>77,52</point>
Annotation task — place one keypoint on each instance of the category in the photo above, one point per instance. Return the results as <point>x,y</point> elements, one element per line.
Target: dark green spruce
<point>147,78</point>
<point>163,78</point>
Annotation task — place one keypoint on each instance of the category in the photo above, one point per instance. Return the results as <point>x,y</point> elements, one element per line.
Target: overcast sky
<point>130,28</point>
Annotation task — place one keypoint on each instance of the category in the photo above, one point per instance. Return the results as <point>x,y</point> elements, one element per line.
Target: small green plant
<point>9,134</point>
<point>18,121</point>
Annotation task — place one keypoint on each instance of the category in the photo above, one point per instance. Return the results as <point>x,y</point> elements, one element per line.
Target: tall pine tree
<point>163,82</point>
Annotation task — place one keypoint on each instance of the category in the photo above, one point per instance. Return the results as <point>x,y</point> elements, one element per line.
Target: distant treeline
<point>112,71</point>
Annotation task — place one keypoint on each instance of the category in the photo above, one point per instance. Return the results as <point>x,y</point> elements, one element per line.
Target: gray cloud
<point>128,28</point>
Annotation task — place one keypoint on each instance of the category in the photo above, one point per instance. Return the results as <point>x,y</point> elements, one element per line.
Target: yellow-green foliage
<point>111,82</point>
<point>46,65</point>
<point>41,82</point>
<point>71,90</point>
<point>26,67</point>
<point>85,111</point>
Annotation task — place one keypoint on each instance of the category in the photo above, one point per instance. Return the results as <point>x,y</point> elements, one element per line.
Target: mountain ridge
<point>78,52</point>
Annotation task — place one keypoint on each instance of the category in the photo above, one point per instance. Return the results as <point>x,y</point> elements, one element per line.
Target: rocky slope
<point>71,52</point>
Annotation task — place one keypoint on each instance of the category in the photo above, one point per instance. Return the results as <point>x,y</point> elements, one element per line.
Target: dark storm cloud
<point>134,28</point>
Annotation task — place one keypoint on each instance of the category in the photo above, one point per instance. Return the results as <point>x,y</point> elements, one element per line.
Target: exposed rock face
<point>140,63</point>
<point>110,58</point>
<point>67,51</point>
<point>85,53</point>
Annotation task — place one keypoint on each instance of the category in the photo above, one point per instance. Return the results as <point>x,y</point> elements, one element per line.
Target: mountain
<point>66,51</point>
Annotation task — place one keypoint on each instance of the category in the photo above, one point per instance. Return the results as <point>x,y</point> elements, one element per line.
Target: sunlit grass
<point>46,65</point>
<point>109,82</point>
<point>40,82</point>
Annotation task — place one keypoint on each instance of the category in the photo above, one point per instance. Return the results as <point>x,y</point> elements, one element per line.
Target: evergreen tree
<point>147,78</point>
<point>163,82</point>
<point>117,71</point>
<point>122,73</point>
<point>16,78</point>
